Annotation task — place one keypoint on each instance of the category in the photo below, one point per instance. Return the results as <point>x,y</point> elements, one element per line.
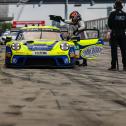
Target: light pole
<point>66,9</point>
<point>92,2</point>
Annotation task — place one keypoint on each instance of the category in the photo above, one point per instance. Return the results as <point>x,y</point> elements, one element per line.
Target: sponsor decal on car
<point>37,47</point>
<point>91,52</point>
<point>19,52</point>
<point>41,46</point>
<point>77,51</point>
<point>61,53</point>
<point>14,60</point>
<point>72,54</point>
<point>66,60</point>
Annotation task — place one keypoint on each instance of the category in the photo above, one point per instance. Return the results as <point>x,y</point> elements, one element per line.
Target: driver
<point>76,21</point>
<point>78,26</point>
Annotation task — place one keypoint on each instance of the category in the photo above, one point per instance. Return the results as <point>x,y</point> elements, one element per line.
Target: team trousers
<point>115,41</point>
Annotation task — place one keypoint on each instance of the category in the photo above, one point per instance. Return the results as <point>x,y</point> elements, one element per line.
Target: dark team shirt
<point>117,21</point>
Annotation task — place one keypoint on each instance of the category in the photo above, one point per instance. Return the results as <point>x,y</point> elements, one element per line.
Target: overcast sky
<point>41,13</point>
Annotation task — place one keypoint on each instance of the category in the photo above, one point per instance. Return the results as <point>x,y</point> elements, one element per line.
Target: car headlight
<point>64,46</point>
<point>16,46</point>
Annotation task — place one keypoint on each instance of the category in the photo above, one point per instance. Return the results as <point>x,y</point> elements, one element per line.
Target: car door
<point>90,44</point>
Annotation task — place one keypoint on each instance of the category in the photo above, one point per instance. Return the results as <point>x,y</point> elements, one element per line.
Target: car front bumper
<point>40,61</point>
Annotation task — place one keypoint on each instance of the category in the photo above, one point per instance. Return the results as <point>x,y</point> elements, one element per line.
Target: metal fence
<point>100,24</point>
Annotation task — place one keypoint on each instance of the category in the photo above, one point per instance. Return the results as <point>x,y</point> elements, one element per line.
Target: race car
<point>38,46</point>
<point>14,33</point>
<point>3,37</point>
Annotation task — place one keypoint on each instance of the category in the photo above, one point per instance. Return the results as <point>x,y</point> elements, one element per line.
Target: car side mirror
<point>8,39</point>
<point>75,38</point>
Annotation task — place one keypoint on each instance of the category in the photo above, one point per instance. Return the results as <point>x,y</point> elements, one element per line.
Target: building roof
<point>2,19</point>
<point>54,1</point>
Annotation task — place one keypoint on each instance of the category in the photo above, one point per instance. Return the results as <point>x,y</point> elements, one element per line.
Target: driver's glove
<point>60,18</point>
<point>75,32</point>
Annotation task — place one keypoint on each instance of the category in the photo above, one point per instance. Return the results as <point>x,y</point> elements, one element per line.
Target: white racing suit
<point>79,26</point>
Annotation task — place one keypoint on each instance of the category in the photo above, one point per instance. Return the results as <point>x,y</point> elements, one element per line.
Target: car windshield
<point>50,35</point>
<point>6,33</point>
<point>14,33</point>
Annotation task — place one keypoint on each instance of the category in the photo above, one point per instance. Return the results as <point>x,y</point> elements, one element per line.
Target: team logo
<point>91,52</point>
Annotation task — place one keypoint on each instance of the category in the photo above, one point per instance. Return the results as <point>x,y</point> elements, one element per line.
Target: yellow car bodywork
<point>40,49</point>
<point>42,52</point>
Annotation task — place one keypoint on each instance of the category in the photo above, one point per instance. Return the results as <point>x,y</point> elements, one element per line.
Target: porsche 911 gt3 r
<point>13,33</point>
<point>40,46</point>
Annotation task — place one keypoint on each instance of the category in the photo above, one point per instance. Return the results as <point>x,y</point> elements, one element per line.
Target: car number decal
<point>39,52</point>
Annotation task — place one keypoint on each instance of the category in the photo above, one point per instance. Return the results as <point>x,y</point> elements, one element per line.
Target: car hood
<point>40,44</point>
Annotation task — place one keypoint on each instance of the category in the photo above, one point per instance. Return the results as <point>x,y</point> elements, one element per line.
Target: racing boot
<point>80,62</point>
<point>84,62</point>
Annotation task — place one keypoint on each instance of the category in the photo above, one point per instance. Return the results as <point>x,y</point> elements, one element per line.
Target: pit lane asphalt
<point>83,96</point>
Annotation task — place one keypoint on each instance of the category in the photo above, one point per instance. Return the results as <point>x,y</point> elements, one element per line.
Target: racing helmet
<point>118,5</point>
<point>75,16</point>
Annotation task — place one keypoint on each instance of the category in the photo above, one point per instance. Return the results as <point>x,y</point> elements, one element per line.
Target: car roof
<point>41,27</point>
